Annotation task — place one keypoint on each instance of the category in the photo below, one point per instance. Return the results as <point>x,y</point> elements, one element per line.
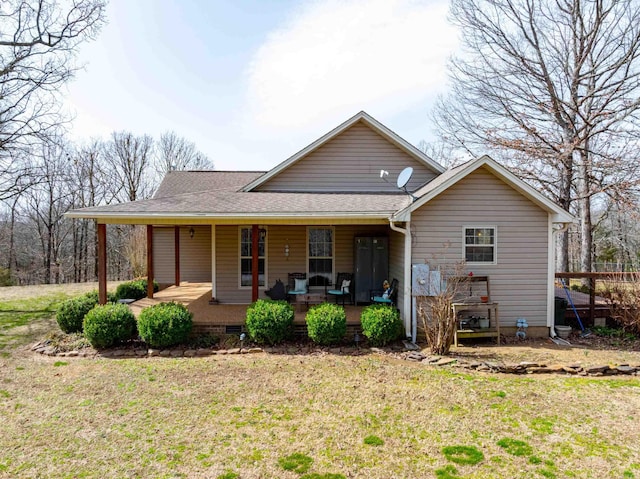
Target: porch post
<point>176,235</point>
<point>149,261</point>
<point>102,263</point>
<point>255,232</point>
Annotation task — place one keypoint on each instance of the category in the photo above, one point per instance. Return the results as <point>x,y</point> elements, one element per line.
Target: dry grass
<point>202,418</point>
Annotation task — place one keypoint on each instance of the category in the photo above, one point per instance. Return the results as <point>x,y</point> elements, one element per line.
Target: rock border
<point>525,367</point>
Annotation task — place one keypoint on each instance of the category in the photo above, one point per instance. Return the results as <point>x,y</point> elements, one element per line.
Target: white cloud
<point>333,58</point>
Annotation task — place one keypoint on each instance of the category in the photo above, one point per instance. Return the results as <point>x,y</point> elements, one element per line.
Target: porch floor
<point>196,296</point>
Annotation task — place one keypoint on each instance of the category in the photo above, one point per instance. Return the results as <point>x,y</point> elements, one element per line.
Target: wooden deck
<point>581,301</point>
<point>220,318</point>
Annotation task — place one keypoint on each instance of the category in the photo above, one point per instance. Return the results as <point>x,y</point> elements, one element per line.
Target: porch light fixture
<point>191,232</point>
<point>286,250</point>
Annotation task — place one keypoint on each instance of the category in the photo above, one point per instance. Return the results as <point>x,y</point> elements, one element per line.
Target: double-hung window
<point>480,244</point>
<point>320,256</point>
<point>246,259</point>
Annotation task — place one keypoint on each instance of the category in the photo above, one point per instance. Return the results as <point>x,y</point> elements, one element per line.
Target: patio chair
<point>343,287</point>
<point>297,284</point>
<point>386,297</point>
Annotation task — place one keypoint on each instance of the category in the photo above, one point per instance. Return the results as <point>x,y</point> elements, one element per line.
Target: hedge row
<point>271,322</point>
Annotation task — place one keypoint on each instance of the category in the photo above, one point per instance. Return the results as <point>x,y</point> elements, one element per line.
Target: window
<point>320,256</point>
<point>246,261</point>
<point>480,244</point>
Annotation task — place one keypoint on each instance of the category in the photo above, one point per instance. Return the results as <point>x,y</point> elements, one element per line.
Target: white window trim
<point>266,262</point>
<point>333,249</point>
<point>495,244</point>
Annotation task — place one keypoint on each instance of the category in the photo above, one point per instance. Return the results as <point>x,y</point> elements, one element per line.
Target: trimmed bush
<point>71,313</point>
<point>165,324</point>
<point>326,323</point>
<point>109,324</point>
<point>136,289</point>
<point>270,321</point>
<point>381,324</point>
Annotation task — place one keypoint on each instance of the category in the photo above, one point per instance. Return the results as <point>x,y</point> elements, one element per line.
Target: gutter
<point>556,228</point>
<point>410,325</point>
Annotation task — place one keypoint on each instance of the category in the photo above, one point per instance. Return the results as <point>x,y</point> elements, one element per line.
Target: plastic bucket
<point>563,331</point>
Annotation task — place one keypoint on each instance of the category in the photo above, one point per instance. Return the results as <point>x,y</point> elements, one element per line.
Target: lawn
<point>310,415</point>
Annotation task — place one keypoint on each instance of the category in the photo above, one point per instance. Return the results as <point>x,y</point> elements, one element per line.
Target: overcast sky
<point>252,82</point>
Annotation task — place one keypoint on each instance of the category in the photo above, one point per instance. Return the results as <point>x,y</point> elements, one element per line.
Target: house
<point>242,230</point>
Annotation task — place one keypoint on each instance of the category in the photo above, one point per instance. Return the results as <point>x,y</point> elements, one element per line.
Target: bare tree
<point>46,203</point>
<point>129,158</point>
<point>551,87</point>
<point>178,153</point>
<point>38,40</point>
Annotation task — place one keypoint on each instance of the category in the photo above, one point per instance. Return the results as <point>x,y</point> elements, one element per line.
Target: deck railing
<point>592,284</point>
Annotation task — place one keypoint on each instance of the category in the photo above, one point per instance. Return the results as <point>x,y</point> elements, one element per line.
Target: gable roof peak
<point>372,123</point>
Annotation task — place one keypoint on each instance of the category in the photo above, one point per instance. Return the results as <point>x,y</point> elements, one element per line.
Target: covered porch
<point>223,318</point>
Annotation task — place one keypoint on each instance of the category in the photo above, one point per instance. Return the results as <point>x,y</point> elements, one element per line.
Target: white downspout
<point>556,228</point>
<point>410,325</point>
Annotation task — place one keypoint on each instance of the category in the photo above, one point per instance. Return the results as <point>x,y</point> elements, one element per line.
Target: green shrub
<point>269,321</point>
<point>326,323</point>
<point>136,289</point>
<point>165,324</point>
<point>71,312</point>
<point>109,324</point>
<point>381,324</point>
<point>111,297</point>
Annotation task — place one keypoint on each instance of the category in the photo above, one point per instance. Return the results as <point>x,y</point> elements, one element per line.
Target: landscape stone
<point>165,353</point>
<point>445,361</point>
<point>335,350</point>
<point>117,353</point>
<point>625,369</point>
<point>414,356</point>
<point>153,352</point>
<point>254,350</point>
<point>204,352</point>
<point>189,353</point>
<point>596,369</point>
<point>177,353</point>
<point>233,351</point>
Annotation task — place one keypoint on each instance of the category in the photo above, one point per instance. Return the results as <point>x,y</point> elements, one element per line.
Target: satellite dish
<point>404,177</point>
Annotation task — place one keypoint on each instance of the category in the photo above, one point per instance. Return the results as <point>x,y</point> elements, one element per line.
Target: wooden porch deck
<point>219,318</point>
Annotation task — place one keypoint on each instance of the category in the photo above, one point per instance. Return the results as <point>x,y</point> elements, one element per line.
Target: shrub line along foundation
<point>525,367</point>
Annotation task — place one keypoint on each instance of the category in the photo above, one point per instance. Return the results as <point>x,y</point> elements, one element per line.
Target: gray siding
<point>351,162</point>
<point>195,254</point>
<point>278,265</point>
<point>396,266</point>
<point>519,279</point>
<point>163,255</point>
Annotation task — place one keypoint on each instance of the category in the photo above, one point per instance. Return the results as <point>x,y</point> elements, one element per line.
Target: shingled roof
<point>180,182</point>
<point>229,204</point>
